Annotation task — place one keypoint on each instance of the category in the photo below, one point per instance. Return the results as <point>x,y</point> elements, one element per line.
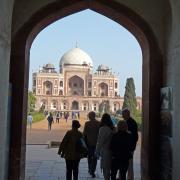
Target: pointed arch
<point>152,69</point>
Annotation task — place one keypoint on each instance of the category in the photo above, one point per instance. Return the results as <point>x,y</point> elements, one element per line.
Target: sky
<point>104,40</point>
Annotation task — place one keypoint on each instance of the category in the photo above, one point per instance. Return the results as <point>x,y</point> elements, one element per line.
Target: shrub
<point>38,116</point>
<point>138,118</point>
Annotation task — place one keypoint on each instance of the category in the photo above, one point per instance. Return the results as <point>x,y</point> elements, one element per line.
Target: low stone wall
<point>53,144</point>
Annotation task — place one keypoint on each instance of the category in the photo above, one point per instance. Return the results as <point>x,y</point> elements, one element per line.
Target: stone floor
<point>44,164</point>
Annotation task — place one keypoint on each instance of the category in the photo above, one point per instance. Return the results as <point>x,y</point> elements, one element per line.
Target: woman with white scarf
<point>103,144</point>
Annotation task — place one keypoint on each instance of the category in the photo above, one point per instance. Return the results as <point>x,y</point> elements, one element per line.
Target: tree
<point>130,102</point>
<point>31,102</point>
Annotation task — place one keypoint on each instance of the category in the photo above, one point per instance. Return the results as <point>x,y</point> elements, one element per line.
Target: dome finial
<point>76,44</point>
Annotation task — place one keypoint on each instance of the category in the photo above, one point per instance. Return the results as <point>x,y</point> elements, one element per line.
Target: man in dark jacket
<point>50,121</point>
<point>90,133</point>
<point>121,147</point>
<point>133,128</point>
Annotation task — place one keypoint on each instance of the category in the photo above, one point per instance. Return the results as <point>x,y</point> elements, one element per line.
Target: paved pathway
<point>39,133</point>
<point>44,164</point>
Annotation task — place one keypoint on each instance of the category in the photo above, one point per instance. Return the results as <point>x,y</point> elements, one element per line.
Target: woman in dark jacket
<point>70,151</point>
<point>121,147</point>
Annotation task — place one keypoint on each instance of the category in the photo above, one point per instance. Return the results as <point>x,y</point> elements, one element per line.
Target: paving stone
<point>44,178</point>
<point>45,164</point>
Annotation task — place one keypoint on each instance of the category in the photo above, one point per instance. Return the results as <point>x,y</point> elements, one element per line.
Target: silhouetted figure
<point>29,121</point>
<point>121,149</point>
<point>133,128</point>
<point>68,150</point>
<point>72,115</point>
<point>90,133</point>
<point>103,143</point>
<point>61,114</point>
<point>45,113</point>
<point>50,121</point>
<point>66,116</point>
<point>57,117</point>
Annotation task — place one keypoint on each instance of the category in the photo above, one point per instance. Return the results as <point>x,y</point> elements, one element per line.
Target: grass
<point>37,116</point>
<point>138,119</point>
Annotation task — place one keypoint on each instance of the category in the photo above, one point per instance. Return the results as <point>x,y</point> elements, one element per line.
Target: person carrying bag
<point>82,148</point>
<point>71,149</point>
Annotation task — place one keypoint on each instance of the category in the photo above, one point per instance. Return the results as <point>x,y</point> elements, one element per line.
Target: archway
<point>47,88</point>
<point>21,44</point>
<point>61,83</point>
<point>76,86</point>
<point>65,105</point>
<point>116,106</point>
<point>103,89</point>
<point>75,105</point>
<point>85,106</point>
<point>61,93</point>
<point>54,105</point>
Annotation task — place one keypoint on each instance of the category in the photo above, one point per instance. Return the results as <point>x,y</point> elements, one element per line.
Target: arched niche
<point>75,105</point>
<point>76,86</point>
<point>103,89</point>
<point>47,88</point>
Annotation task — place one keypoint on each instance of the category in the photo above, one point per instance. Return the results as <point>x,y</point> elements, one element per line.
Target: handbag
<point>82,148</point>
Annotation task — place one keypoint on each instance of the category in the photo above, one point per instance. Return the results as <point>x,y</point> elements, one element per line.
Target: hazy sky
<point>103,39</point>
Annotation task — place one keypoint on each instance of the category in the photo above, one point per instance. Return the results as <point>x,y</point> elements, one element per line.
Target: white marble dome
<point>76,56</point>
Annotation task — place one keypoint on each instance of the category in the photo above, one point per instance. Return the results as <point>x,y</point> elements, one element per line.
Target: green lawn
<point>139,122</point>
<point>37,116</point>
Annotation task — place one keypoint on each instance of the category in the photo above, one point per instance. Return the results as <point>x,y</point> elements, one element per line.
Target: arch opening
<point>47,87</point>
<point>75,105</point>
<point>103,89</point>
<point>142,32</point>
<point>76,86</point>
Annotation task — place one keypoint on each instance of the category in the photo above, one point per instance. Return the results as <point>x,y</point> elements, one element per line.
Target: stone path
<point>44,164</point>
<point>39,133</point>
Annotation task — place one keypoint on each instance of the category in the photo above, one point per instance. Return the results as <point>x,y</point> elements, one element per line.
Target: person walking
<point>66,116</point>
<point>68,150</point>
<point>103,143</point>
<point>29,121</point>
<point>61,114</point>
<point>121,147</point>
<point>72,115</point>
<point>133,128</point>
<point>90,133</point>
<point>50,121</point>
<point>57,117</point>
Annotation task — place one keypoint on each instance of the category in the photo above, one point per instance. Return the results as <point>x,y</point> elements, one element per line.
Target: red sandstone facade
<point>76,86</point>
